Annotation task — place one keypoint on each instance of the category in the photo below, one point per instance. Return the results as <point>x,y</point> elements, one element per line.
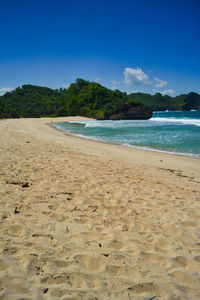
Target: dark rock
<point>139,112</point>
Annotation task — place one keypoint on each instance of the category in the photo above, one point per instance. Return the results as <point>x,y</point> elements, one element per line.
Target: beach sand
<point>86,220</point>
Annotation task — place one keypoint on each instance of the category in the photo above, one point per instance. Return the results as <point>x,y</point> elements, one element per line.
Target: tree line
<point>85,98</point>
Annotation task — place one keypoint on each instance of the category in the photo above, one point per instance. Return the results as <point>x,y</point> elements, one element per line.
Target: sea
<point>175,132</point>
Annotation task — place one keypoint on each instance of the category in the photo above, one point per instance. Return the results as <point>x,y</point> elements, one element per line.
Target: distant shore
<point>85,219</point>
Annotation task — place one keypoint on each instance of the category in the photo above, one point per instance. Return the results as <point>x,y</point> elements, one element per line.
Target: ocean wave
<point>168,111</point>
<point>157,141</point>
<point>113,124</point>
<point>125,144</point>
<point>139,123</point>
<point>185,121</point>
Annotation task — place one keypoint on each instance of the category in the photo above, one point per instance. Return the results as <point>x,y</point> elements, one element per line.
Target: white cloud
<point>168,92</point>
<point>97,79</point>
<point>65,85</point>
<point>155,91</point>
<point>159,83</point>
<point>4,90</point>
<point>114,84</point>
<point>135,76</point>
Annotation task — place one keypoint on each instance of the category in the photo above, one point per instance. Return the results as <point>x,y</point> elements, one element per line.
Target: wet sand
<point>86,220</point>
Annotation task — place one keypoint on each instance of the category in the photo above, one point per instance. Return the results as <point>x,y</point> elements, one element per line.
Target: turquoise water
<point>170,131</point>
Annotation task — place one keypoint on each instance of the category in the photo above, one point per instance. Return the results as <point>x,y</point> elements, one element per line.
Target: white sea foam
<point>159,150</point>
<point>67,131</point>
<point>98,139</point>
<point>114,124</point>
<point>138,123</point>
<point>125,136</point>
<point>185,121</point>
<point>168,111</point>
<point>107,123</point>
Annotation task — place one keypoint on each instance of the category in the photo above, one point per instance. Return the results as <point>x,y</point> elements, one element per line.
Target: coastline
<point>81,218</point>
<point>144,148</point>
<point>190,165</point>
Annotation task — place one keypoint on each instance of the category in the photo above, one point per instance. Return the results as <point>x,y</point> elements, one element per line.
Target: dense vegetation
<point>81,98</point>
<point>160,102</point>
<point>88,99</point>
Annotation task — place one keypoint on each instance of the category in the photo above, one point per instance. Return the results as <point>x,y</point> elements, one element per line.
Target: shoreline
<point>83,219</point>
<point>188,164</point>
<point>196,156</point>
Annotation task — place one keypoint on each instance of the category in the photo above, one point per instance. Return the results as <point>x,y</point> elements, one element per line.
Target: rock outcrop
<point>139,112</point>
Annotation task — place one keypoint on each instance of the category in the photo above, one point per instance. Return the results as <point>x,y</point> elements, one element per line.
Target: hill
<point>89,99</point>
<point>160,102</point>
<point>82,98</point>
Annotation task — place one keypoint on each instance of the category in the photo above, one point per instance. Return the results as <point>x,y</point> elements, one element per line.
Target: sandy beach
<point>86,220</point>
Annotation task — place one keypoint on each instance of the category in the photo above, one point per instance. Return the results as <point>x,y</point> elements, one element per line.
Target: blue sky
<point>146,45</point>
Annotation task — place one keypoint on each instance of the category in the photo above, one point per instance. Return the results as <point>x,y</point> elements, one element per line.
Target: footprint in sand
<point>157,258</point>
<point>185,278</point>
<point>116,245</point>
<point>182,261</point>
<point>16,230</point>
<point>91,263</point>
<point>58,217</point>
<point>76,283</point>
<point>53,207</point>
<point>61,263</point>
<point>149,287</point>
<point>123,271</point>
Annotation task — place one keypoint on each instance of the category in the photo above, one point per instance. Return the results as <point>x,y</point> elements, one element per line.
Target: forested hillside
<point>89,99</point>
<point>160,102</point>
<point>82,98</point>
